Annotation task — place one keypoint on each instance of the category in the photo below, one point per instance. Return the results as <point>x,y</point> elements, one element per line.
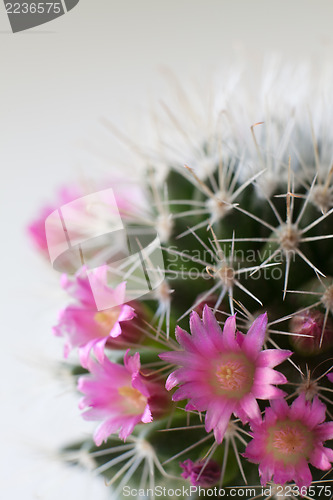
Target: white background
<point>57,81</point>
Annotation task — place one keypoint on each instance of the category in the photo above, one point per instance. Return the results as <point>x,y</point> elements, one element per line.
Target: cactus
<point>180,378</point>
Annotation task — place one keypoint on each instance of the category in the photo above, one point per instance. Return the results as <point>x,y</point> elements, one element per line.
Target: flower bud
<point>310,322</point>
<point>209,476</point>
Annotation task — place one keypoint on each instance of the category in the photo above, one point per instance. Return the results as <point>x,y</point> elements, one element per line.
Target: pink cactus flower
<point>119,395</point>
<point>85,327</point>
<point>330,377</point>
<point>36,228</point>
<point>288,439</point>
<point>130,202</point>
<point>198,477</point>
<point>224,373</point>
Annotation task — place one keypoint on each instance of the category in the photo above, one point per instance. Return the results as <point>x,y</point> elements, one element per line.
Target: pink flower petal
<point>262,391</point>
<point>229,334</point>
<point>303,477</point>
<point>272,357</point>
<point>127,313</point>
<point>319,459</point>
<point>250,406</point>
<point>255,337</point>
<point>212,327</point>
<point>325,431</point>
<point>84,352</point>
<point>269,376</point>
<point>147,416</point>
<point>186,340</point>
<point>99,349</point>
<point>116,330</point>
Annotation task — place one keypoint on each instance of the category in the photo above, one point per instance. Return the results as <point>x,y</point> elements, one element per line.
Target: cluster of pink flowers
<point>223,373</point>
<point>119,395</point>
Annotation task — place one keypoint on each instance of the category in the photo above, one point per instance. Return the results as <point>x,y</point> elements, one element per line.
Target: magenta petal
<point>303,477</point>
<point>214,412</point>
<point>196,326</point>
<point>185,340</point>
<point>250,406</point>
<point>218,417</point>
<point>84,352</point>
<point>317,413</point>
<point>253,452</point>
<point>116,330</point>
<point>279,407</point>
<point>119,291</point>
<point>262,391</point>
<point>188,390</point>
<point>282,474</point>
<point>255,337</point>
<point>191,407</point>
<point>178,358</point>
<point>128,426</point>
<point>178,376</point>
<point>132,363</point>
<point>147,416</point>
<point>329,453</point>
<point>104,430</point>
<point>269,376</point>
<point>127,312</point>
<point>212,327</point>
<point>201,336</point>
<point>171,381</point>
<point>229,334</point>
<point>319,459</point>
<point>99,349</point>
<point>325,431</point>
<point>200,403</point>
<point>272,357</point>
<point>221,427</point>
<point>266,470</point>
<point>298,408</point>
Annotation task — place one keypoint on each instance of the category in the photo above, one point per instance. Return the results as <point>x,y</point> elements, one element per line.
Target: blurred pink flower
<point>85,327</point>
<point>224,372</point>
<point>198,477</point>
<point>289,438</point>
<point>119,395</point>
<point>36,228</point>
<point>130,203</point>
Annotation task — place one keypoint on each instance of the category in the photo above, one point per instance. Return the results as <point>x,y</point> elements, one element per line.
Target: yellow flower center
<point>234,375</point>
<point>231,375</point>
<point>107,319</point>
<point>133,398</point>
<point>289,441</point>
